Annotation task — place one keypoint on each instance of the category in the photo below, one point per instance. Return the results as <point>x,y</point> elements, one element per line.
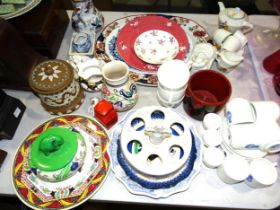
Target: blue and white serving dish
<point>172,140</point>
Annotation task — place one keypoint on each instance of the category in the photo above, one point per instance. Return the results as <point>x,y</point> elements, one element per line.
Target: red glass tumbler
<point>272,63</point>
<point>276,83</point>
<point>207,92</point>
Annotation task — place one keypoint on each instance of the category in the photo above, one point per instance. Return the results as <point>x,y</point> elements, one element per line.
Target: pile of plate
<point>146,41</point>
<point>61,163</point>
<point>155,152</point>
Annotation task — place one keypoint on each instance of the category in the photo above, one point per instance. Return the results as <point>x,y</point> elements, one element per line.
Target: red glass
<point>272,63</point>
<point>207,91</point>
<point>276,83</point>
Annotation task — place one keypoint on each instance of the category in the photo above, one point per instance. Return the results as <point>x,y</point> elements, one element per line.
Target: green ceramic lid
<point>53,149</point>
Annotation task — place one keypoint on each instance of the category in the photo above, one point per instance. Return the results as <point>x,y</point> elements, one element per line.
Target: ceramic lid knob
<point>53,149</point>
<point>235,13</point>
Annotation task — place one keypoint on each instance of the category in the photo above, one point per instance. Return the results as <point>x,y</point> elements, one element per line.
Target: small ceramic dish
<point>156,46</point>
<point>90,76</point>
<point>82,44</point>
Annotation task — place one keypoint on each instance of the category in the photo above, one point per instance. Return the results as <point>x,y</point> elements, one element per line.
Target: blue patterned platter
<point>156,188</point>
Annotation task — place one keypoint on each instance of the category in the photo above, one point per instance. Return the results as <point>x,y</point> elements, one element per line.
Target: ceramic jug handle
<point>247,27</point>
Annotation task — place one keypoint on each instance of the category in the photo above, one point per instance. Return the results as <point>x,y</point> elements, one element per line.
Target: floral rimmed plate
<point>134,28</point>
<point>107,51</point>
<point>136,187</point>
<point>156,46</point>
<point>21,9</point>
<point>39,194</point>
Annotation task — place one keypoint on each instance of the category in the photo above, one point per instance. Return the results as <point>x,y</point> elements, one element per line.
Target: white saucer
<point>156,46</point>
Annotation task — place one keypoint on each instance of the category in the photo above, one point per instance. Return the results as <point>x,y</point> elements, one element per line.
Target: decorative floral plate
<point>39,194</point>
<point>21,9</point>
<point>134,28</point>
<point>135,182</point>
<point>106,44</point>
<point>156,46</point>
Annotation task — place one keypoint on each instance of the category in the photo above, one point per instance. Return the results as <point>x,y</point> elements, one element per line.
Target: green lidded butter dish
<point>57,154</point>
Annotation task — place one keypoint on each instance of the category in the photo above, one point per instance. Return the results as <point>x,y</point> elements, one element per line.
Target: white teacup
<point>228,60</point>
<point>267,110</point>
<point>262,173</point>
<point>220,36</point>
<point>233,170</point>
<point>232,44</point>
<point>172,76</point>
<point>240,111</point>
<point>242,38</point>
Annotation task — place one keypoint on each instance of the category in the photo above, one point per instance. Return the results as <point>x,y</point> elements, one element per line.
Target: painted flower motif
<point>161,41</point>
<point>49,73</point>
<point>169,24</point>
<point>123,46</point>
<point>134,77</point>
<point>150,67</point>
<point>97,152</point>
<point>171,39</point>
<point>105,90</point>
<point>183,48</point>
<point>154,33</point>
<point>199,33</point>
<point>152,79</point>
<point>134,24</point>
<point>138,42</point>
<point>153,51</point>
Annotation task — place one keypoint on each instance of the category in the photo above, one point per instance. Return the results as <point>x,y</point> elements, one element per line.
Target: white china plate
<point>156,46</point>
<point>134,187</point>
<point>20,10</point>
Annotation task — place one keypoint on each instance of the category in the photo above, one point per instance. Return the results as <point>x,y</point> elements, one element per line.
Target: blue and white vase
<point>85,17</point>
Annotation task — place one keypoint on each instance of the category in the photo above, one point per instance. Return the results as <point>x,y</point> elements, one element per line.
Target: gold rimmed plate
<point>39,194</point>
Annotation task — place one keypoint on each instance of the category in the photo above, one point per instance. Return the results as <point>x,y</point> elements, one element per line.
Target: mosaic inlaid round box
<point>57,87</point>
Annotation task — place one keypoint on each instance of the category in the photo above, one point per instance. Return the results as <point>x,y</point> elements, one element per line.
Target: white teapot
<point>233,19</point>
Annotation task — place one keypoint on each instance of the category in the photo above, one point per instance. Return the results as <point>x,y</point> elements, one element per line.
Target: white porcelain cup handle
<point>247,27</point>
<point>271,148</point>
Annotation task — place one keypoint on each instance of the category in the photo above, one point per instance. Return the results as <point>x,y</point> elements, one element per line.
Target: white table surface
<point>206,190</point>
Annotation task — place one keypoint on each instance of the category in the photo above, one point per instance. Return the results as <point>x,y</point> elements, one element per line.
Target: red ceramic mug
<point>272,62</point>
<point>207,92</point>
